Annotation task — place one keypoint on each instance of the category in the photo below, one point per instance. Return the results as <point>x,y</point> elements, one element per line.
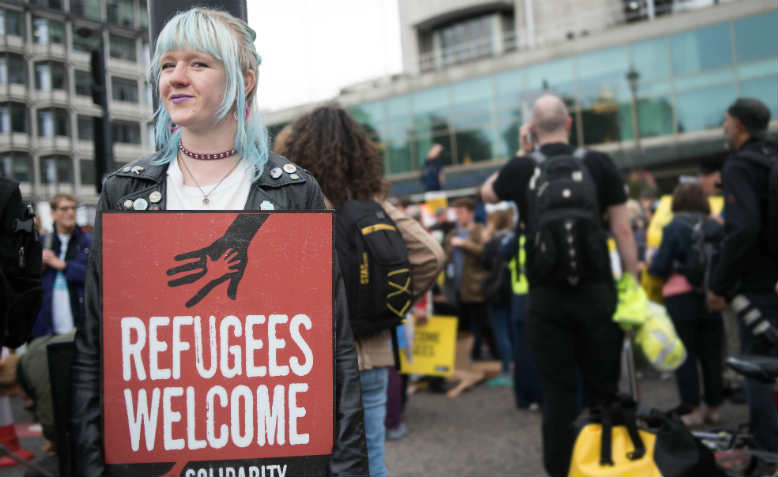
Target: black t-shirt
<point>513,180</point>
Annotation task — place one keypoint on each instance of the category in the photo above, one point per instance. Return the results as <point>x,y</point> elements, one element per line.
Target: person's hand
<point>420,314</point>
<point>9,383</point>
<point>225,259</point>
<point>716,302</point>
<point>215,263</point>
<point>457,241</point>
<point>525,140</point>
<point>51,260</point>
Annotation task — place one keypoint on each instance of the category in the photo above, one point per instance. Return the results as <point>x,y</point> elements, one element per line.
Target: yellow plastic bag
<point>658,340</point>
<point>632,309</point>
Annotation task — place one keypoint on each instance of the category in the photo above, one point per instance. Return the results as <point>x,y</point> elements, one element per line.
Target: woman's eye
<point>167,65</point>
<point>200,64</point>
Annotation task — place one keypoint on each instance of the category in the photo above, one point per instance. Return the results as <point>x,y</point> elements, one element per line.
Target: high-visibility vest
<point>518,277</point>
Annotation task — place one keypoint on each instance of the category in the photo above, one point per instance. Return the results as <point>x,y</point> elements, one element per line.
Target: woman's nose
<point>178,76</point>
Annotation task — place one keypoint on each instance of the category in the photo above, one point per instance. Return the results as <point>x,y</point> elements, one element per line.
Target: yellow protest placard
<point>433,349</point>
<point>436,200</point>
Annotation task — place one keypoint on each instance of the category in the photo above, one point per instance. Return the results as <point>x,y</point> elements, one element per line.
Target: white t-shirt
<point>231,194</point>
<point>61,314</point>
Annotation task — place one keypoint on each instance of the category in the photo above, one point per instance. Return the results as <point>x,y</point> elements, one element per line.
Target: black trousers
<point>571,331</point>
<point>702,333</point>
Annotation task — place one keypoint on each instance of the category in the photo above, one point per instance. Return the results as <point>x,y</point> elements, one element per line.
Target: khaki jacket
<point>427,260</point>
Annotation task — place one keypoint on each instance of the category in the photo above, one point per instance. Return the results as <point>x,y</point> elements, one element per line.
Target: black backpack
<point>21,266</point>
<point>768,159</point>
<point>496,285</point>
<point>695,263</point>
<point>564,225</point>
<point>375,267</point>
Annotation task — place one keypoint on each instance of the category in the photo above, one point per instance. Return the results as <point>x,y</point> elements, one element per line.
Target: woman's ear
<point>250,80</point>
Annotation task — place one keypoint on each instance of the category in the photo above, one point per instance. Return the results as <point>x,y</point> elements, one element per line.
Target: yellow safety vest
<point>518,277</point>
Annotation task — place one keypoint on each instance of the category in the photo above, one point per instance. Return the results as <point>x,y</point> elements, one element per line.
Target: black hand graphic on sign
<point>225,259</point>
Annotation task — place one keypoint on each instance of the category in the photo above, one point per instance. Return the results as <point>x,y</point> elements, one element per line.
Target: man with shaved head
<point>563,195</point>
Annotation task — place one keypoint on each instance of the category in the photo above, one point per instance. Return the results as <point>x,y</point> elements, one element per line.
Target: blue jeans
<point>374,382</point>
<point>499,318</point>
<point>762,415</point>
<point>526,381</point>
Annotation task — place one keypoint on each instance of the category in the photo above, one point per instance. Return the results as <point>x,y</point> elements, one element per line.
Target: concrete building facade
<point>473,68</point>
<point>46,106</point>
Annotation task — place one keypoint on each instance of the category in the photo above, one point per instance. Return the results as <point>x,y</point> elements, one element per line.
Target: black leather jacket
<point>138,180</point>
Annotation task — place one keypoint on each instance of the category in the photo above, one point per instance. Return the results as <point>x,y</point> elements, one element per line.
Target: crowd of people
<point>531,282</point>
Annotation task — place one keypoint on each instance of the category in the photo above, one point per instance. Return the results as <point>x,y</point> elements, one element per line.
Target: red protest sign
<point>217,342</point>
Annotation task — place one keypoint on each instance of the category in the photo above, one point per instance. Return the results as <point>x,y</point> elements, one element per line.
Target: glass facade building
<point>685,82</point>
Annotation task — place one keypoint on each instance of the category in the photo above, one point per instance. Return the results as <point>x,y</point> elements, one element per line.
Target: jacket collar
<point>277,172</point>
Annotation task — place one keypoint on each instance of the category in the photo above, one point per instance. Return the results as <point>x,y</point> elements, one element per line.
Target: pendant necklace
<point>206,201</point>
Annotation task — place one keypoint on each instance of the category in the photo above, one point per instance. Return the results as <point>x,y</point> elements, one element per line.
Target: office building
<point>648,82</point>
<point>46,106</point>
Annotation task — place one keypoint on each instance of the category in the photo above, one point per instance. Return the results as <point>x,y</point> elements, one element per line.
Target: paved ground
<point>480,433</point>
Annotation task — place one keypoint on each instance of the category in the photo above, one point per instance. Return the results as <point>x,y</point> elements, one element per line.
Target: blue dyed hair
<point>230,41</point>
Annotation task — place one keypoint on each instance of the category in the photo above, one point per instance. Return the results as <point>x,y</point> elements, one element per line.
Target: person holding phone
<point>572,294</point>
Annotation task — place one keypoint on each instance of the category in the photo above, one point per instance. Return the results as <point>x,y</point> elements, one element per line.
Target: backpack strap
<point>606,438</point>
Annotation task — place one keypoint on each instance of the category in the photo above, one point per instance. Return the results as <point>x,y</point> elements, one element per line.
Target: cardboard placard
<point>217,343</point>
<point>433,349</point>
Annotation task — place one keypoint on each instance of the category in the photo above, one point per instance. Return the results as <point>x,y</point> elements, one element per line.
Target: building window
<point>86,8</point>
<point>56,170</point>
<point>55,4</point>
<point>87,171</point>
<point>703,108</point>
<point>47,32</point>
<point>85,128</point>
<point>13,117</point>
<point>143,14</point>
<point>52,122</point>
<point>83,83</point>
<point>15,166</point>
<point>124,90</point>
<point>126,132</point>
<point>85,39</point>
<point>699,50</point>
<point>464,40</point>
<point>13,69</point>
<point>756,37</point>
<point>11,23</point>
<point>50,76</point>
<point>120,12</point>
<point>123,48</point>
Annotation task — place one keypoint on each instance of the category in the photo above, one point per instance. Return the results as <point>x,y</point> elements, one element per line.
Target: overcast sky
<point>312,48</point>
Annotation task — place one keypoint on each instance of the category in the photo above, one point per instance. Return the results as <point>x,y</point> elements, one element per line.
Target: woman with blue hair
<point>212,155</point>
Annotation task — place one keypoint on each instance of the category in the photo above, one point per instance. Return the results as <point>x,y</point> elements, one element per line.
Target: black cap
<point>752,113</point>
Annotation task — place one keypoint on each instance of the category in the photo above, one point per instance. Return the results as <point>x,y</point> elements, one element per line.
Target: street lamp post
<point>632,78</point>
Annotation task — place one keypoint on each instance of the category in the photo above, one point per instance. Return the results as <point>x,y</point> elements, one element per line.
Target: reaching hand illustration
<point>225,259</point>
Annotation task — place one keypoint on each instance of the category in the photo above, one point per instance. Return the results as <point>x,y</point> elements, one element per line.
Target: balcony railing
<point>563,29</point>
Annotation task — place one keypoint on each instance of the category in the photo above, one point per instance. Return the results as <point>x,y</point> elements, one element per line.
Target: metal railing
<point>560,30</point>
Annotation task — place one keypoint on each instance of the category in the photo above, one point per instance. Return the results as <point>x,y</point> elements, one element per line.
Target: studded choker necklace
<point>206,157</point>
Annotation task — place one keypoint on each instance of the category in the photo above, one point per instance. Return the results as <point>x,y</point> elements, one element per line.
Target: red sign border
<point>100,215</point>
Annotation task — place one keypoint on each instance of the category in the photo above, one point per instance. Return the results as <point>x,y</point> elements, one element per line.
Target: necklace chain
<point>206,201</point>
